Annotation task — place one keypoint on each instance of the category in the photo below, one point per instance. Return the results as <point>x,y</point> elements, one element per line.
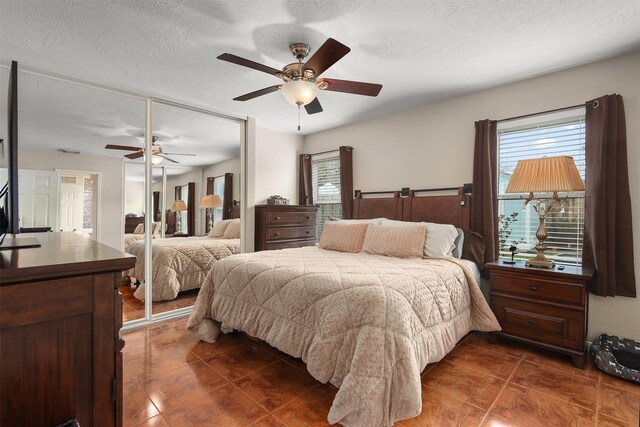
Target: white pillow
<point>218,229</point>
<point>233,230</point>
<point>440,240</point>
<point>374,221</point>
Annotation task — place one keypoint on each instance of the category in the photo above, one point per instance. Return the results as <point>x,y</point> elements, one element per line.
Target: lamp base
<point>540,264</point>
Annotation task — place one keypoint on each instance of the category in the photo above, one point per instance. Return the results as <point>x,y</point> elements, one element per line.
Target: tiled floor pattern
<point>172,379</point>
<point>133,308</point>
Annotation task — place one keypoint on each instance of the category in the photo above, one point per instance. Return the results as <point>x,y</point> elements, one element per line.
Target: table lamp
<point>178,206</point>
<point>544,175</point>
<point>209,202</point>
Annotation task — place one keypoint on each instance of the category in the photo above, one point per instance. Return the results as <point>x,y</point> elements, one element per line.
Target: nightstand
<point>544,308</point>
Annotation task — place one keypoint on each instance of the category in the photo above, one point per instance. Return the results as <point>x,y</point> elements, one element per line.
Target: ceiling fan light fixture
<point>299,92</point>
<point>154,159</point>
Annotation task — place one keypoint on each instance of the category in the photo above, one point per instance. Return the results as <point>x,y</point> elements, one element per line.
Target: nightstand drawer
<point>293,218</point>
<point>283,233</point>
<point>557,290</point>
<point>540,322</point>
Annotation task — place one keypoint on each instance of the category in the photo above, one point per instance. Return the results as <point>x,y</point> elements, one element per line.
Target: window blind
<point>325,180</point>
<point>518,226</point>
<point>218,189</point>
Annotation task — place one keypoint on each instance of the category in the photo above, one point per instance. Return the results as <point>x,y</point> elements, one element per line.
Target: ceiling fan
<point>301,82</point>
<point>157,155</point>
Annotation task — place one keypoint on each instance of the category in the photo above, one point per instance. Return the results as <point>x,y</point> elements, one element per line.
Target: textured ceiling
<point>419,50</point>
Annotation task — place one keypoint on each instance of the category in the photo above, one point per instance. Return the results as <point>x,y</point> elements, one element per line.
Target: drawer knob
<point>276,234</point>
<point>533,288</point>
<point>277,218</point>
<point>531,322</point>
<point>308,217</point>
<point>308,231</point>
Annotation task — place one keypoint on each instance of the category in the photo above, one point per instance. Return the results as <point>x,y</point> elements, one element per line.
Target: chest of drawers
<point>546,308</point>
<point>285,226</point>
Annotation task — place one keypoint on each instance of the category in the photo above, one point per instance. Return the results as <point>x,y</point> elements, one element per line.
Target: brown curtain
<point>305,189</point>
<point>484,205</point>
<point>608,237</point>
<point>208,212</point>
<point>346,181</point>
<point>191,210</point>
<point>227,200</point>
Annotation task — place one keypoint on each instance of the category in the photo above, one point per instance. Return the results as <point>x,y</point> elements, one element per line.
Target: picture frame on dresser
<point>544,308</point>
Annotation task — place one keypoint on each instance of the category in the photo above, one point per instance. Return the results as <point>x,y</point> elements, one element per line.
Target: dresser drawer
<point>540,322</point>
<point>287,245</point>
<point>291,218</point>
<point>285,233</point>
<point>554,290</point>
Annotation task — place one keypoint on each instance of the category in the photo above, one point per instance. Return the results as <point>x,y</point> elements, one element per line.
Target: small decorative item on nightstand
<point>513,250</point>
<point>544,308</point>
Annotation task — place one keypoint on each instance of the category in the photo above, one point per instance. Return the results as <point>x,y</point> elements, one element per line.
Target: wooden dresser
<point>60,346</point>
<point>545,308</point>
<point>285,226</point>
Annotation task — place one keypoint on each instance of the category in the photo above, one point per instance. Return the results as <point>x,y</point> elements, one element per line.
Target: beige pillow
<point>440,238</point>
<point>343,237</point>
<point>399,242</point>
<point>233,230</point>
<point>219,228</point>
<point>139,229</point>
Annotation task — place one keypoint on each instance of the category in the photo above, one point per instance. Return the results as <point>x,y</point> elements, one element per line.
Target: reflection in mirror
<point>200,155</point>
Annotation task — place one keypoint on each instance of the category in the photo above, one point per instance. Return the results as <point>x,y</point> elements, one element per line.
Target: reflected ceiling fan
<point>301,82</point>
<point>157,155</point>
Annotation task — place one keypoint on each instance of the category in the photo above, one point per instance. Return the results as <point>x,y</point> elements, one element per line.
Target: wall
<point>110,190</point>
<point>134,197</point>
<point>432,146</point>
<point>219,169</point>
<point>276,164</point>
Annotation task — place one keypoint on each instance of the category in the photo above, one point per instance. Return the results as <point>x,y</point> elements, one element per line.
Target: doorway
<point>79,199</point>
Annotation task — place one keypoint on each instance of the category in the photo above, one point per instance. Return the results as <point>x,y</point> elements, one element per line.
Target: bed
<point>179,264</point>
<point>138,234</point>
<point>368,324</point>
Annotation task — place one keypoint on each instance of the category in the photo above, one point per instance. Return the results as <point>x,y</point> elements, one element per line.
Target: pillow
<point>376,221</point>
<point>440,238</point>
<point>139,229</point>
<point>459,242</point>
<point>343,236</point>
<point>218,229</point>
<point>399,242</point>
<point>473,248</point>
<point>233,230</point>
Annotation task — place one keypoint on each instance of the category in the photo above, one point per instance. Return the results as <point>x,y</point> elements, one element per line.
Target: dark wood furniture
<point>131,222</point>
<point>545,308</point>
<point>60,346</point>
<point>285,226</point>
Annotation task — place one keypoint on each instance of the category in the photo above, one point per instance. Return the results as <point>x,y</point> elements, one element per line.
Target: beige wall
<point>111,221</point>
<point>432,145</point>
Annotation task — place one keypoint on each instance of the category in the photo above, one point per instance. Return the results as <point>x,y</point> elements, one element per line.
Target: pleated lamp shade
<point>178,206</point>
<point>210,201</point>
<point>548,174</point>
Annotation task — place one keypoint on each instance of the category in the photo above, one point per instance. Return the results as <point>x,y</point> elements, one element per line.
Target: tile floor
<point>172,379</point>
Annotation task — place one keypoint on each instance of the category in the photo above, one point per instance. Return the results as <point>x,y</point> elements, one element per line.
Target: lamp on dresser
<point>544,175</point>
<point>178,206</point>
<point>209,202</point>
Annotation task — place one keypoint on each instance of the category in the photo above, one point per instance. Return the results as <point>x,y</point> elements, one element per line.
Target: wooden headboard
<point>429,207</point>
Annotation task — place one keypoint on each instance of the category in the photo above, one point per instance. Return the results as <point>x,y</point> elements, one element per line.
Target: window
<point>218,188</point>
<point>550,135</point>
<point>325,177</point>
<point>184,224</point>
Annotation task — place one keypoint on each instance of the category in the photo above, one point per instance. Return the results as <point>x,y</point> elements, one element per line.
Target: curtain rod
<point>325,152</point>
<point>593,104</point>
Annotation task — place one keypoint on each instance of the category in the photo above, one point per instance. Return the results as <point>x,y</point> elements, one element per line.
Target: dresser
<point>60,320</point>
<point>285,226</point>
<point>545,308</point>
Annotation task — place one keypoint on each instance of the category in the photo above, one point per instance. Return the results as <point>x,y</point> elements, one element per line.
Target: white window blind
<point>517,226</point>
<point>325,178</point>
<point>218,188</point>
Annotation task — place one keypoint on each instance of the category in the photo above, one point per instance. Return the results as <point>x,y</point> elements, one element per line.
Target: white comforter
<point>368,324</point>
<point>179,263</point>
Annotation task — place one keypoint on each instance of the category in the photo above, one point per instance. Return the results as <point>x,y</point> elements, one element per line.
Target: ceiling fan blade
<point>313,107</point>
<point>121,147</point>
<point>358,88</point>
<point>135,155</point>
<point>166,158</point>
<point>248,63</point>
<point>179,154</point>
<point>257,93</point>
<point>328,54</point>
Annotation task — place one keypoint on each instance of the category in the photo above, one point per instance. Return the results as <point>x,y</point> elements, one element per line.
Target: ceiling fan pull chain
<point>298,117</point>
